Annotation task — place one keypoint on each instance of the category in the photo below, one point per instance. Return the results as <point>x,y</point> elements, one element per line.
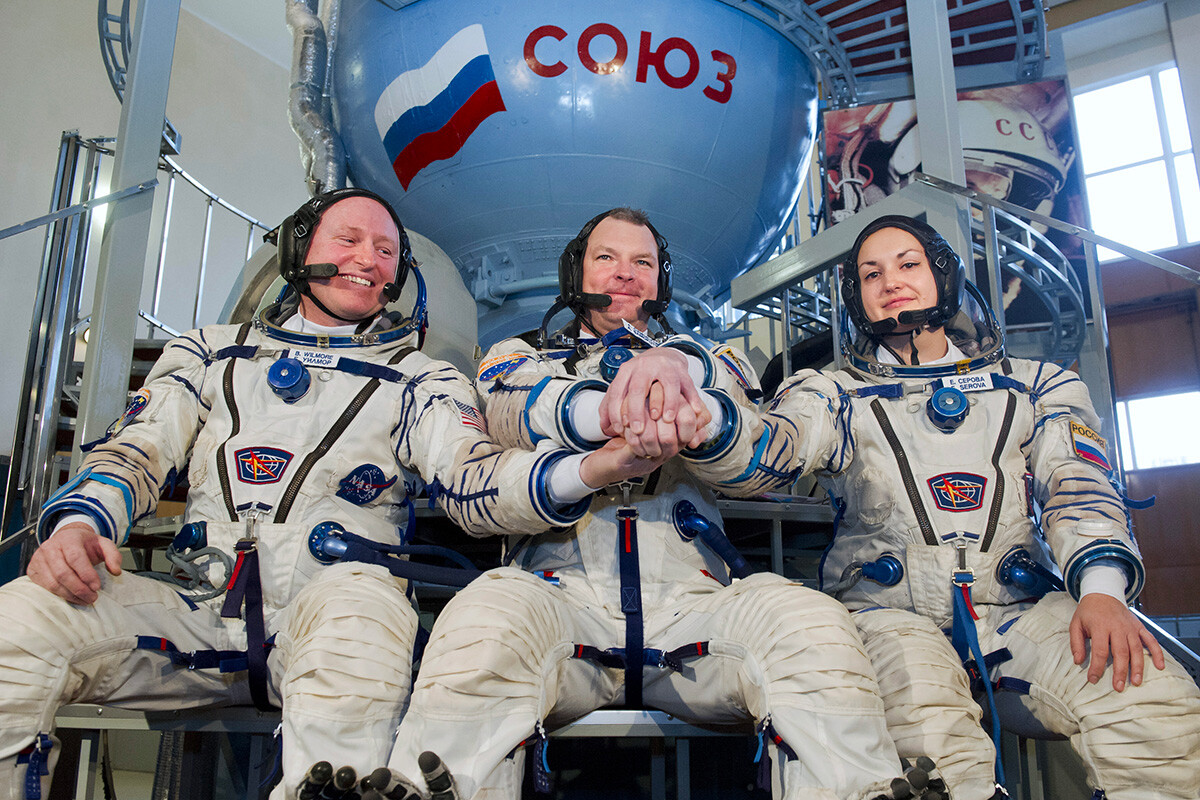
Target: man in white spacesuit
<point>971,489</point>
<point>303,435</point>
<point>634,605</point>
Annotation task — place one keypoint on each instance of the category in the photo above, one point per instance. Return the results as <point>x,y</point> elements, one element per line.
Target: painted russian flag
<point>428,113</point>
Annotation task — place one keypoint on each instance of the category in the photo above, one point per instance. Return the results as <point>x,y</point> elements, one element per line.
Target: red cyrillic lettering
<point>585,43</point>
<point>651,58</point>
<point>538,68</point>
<point>725,78</point>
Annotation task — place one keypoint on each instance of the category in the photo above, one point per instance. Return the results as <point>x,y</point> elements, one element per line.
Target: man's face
<point>358,236</point>
<point>621,261</point>
<point>895,275</point>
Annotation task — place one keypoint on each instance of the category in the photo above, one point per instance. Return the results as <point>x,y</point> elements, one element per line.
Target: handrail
<point>78,208</point>
<point>1179,270</point>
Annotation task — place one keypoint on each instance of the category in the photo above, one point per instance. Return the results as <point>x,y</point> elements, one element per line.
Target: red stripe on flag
<point>447,140</point>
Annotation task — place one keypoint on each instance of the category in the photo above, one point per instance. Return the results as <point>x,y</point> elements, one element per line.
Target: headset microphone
<point>305,271</point>
<point>594,300</point>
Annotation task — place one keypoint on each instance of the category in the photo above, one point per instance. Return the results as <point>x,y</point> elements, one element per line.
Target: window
<point>1137,160</point>
<point>1159,431</point>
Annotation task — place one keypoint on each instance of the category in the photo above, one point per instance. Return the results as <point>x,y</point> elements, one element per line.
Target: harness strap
<point>966,642</point>
<point>37,756</point>
<point>631,603</point>
<point>614,657</point>
<point>220,660</point>
<point>246,588</point>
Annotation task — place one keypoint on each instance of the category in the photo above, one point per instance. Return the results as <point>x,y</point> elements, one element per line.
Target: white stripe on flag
<point>418,86</point>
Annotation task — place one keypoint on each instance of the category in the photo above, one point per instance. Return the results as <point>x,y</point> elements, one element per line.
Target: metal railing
<point>57,324</point>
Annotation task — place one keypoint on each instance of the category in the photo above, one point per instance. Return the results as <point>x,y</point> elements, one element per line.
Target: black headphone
<point>949,275</point>
<point>570,269</point>
<point>293,238</point>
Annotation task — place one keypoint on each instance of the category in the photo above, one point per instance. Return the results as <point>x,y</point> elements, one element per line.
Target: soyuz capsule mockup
<point>498,128</point>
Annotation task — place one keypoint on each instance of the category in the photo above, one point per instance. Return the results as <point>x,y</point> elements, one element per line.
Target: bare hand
<point>627,405</point>
<point>688,430</point>
<point>1114,631</point>
<point>616,461</point>
<point>65,563</point>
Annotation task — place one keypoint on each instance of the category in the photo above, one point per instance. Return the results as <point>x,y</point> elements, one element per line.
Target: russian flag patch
<point>428,113</point>
<point>1089,445</point>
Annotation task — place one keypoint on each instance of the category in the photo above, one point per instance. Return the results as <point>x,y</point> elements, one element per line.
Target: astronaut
<point>315,421</point>
<point>634,605</point>
<point>977,525</point>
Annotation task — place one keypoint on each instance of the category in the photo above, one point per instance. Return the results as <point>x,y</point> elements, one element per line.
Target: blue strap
<point>887,390</point>
<point>220,660</point>
<point>234,351</point>
<point>246,586</point>
<point>534,436</point>
<point>631,603</point>
<point>966,642</point>
<point>37,756</point>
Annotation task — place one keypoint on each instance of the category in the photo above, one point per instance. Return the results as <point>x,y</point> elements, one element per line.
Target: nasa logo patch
<point>261,465</point>
<point>363,484</point>
<point>499,366</point>
<point>957,491</point>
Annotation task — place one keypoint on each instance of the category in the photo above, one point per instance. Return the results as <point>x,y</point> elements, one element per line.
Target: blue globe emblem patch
<point>364,484</point>
<point>957,491</point>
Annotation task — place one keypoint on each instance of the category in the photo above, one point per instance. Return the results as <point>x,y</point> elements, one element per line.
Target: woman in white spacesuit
<point>635,604</point>
<point>310,426</point>
<point>976,523</point>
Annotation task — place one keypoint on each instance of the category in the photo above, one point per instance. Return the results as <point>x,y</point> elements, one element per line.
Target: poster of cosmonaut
<point>1018,144</point>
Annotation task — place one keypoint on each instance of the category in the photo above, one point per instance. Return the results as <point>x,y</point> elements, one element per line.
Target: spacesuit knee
<point>493,642</point>
<point>348,638</point>
<point>927,699</point>
<point>1143,742</point>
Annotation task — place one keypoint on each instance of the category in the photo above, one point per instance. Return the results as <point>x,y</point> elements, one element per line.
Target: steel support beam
<point>126,237</point>
<point>937,114</point>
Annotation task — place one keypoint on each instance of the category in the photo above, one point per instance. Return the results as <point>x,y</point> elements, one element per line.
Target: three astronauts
<point>976,525</point>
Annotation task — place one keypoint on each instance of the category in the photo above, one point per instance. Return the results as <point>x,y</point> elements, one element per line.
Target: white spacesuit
<point>548,639</point>
<point>937,473</point>
<point>287,436</point>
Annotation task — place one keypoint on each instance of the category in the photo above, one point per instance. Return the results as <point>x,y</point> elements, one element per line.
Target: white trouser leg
<point>1139,744</point>
<point>342,664</point>
<point>782,651</point>
<point>53,653</point>
<point>930,711</point>
<point>499,660</point>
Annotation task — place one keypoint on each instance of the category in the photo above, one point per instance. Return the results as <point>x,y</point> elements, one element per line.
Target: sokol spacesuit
<point>938,468</point>
<point>631,605</point>
<point>290,430</point>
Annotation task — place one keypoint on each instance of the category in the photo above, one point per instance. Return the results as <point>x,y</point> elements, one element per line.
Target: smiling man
<point>318,419</point>
<point>637,604</point>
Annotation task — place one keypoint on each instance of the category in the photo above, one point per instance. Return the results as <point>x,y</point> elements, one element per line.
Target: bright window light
<point>1159,431</point>
<point>1133,206</point>
<point>1139,169</point>
<point>1118,125</point>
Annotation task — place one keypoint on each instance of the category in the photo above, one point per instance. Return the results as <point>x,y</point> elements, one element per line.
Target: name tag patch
<point>969,383</point>
<point>311,358</point>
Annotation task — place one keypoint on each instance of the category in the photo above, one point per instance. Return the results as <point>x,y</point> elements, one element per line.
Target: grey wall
<point>229,102</point>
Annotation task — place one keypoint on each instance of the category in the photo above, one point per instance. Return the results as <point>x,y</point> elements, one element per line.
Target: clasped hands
<point>652,410</point>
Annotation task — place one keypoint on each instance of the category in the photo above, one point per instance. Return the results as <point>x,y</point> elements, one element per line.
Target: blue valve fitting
<point>325,543</point>
<point>289,379</point>
<point>885,570</point>
<point>191,536</point>
<point>947,409</point>
<point>612,360</point>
